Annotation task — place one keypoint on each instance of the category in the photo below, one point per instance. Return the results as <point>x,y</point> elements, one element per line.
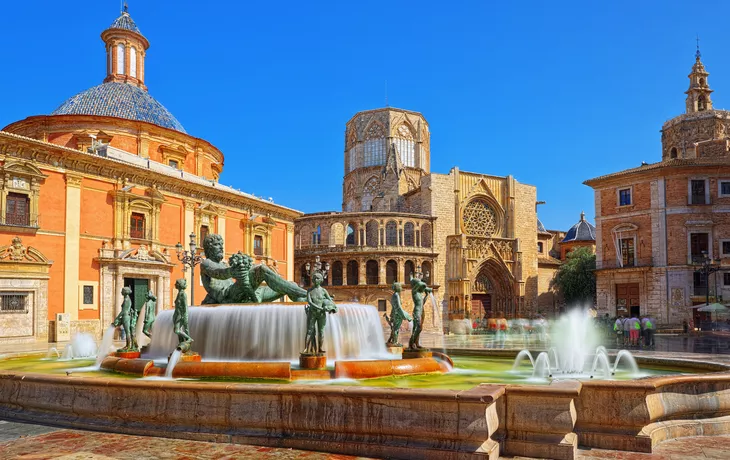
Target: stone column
<point>401,270</point>
<point>160,293</point>
<point>71,246</point>
<point>189,227</point>
<point>361,275</point>
<point>290,253</point>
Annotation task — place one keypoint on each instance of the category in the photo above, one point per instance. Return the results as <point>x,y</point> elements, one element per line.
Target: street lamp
<point>316,266</point>
<point>189,259</point>
<point>708,267</point>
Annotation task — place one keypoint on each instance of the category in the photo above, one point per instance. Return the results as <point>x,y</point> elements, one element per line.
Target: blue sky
<point>552,93</point>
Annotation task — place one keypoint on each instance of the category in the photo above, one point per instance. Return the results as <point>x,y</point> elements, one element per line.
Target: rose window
<point>479,219</point>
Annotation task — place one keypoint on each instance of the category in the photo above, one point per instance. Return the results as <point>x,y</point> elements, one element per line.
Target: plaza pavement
<point>35,442</point>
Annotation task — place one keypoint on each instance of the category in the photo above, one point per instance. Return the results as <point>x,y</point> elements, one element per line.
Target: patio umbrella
<point>713,308</point>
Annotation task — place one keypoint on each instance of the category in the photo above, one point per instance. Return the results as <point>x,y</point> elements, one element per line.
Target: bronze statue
<point>180,317</point>
<point>218,278</point>
<point>418,292</point>
<point>125,320</point>
<point>149,314</point>
<point>397,315</point>
<point>319,303</point>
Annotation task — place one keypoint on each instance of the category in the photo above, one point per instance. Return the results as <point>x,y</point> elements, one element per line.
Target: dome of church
<point>582,231</point>
<point>540,227</point>
<point>122,100</point>
<point>125,22</point>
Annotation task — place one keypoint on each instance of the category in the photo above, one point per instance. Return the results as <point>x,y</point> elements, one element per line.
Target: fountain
<point>575,352</point>
<point>82,346</point>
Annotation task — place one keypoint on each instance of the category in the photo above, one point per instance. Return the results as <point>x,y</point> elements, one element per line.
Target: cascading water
<point>174,359</point>
<point>271,332</point>
<point>107,341</point>
<point>142,339</point>
<point>435,308</point>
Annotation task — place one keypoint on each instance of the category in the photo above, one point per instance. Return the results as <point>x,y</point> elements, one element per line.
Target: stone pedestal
<point>313,361</point>
<point>423,353</point>
<point>394,350</point>
<point>127,354</point>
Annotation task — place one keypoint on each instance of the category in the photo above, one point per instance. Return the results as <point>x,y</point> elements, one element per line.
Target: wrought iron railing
<point>13,302</point>
<point>19,220</point>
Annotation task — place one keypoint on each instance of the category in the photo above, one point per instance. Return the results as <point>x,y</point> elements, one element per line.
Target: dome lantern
<point>126,48</point>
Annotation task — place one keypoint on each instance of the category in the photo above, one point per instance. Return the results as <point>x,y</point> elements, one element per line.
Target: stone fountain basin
<point>279,370</point>
<point>482,422</point>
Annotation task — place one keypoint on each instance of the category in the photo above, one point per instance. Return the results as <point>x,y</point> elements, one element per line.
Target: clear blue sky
<point>552,93</point>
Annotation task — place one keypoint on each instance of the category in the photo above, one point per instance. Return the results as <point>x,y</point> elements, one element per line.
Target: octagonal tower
<point>387,152</point>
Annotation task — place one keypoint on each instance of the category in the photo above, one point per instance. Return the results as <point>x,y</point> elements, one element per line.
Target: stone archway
<point>492,289</point>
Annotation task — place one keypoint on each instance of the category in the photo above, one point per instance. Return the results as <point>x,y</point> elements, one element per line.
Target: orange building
<point>97,194</point>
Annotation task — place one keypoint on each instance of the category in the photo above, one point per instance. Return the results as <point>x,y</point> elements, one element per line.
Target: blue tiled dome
<point>119,100</point>
<point>125,22</point>
<point>582,231</point>
<point>540,227</point>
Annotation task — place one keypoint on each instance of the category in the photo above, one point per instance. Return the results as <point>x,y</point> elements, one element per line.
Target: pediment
<point>23,169</point>
<point>17,252</point>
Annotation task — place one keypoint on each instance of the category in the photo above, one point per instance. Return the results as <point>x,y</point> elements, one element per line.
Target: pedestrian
<point>634,329</point>
<point>649,327</point>
<point>685,326</point>
<point>618,328</point>
<point>627,327</point>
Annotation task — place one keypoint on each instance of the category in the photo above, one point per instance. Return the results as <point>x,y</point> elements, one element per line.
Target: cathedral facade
<point>96,195</point>
<point>474,237</point>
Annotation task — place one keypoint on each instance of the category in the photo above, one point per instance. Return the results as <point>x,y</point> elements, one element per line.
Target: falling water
<point>174,358</point>
<point>602,359</point>
<point>52,351</point>
<point>435,309</point>
<point>107,341</point>
<point>626,355</point>
<point>520,356</point>
<point>554,353</point>
<point>542,366</point>
<point>271,332</point>
<point>142,339</point>
<point>82,346</point>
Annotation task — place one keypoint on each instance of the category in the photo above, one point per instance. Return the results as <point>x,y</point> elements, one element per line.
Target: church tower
<point>698,94</point>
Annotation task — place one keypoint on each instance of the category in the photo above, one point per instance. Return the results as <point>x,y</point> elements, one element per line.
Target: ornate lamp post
<point>189,259</point>
<point>708,267</point>
<point>316,266</point>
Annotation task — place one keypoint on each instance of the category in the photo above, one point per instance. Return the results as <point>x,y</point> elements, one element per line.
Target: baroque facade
<point>473,237</point>
<point>96,195</point>
<point>657,223</point>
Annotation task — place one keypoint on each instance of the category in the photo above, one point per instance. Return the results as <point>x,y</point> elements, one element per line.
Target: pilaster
<point>71,246</point>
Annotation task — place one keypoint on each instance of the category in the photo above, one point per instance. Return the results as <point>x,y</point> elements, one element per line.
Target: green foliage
<point>576,279</point>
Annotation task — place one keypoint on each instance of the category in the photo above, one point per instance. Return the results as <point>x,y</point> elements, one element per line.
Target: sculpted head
<point>181,284</point>
<point>213,247</point>
<point>126,290</point>
<point>397,287</point>
<point>317,279</point>
<point>151,296</point>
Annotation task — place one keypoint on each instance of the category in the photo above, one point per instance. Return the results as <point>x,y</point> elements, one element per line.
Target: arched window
<point>317,236</point>
<point>304,278</point>
<point>405,146</point>
<point>426,267</point>
<point>673,152</point>
<point>702,82</point>
<point>372,272</point>
<point>391,272</point>
<point>350,241</point>
<point>352,273</point>
<point>368,193</point>
<point>391,233</point>
<point>408,237</point>
<point>337,273</point>
<point>409,270</point>
<point>120,58</point>
<point>701,103</point>
<point>133,62</point>
<point>371,233</point>
<point>337,234</point>
<point>373,153</point>
<point>426,235</point>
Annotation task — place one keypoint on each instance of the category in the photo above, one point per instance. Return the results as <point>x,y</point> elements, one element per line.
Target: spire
<point>698,94</point>
<point>125,48</point>
<point>582,216</point>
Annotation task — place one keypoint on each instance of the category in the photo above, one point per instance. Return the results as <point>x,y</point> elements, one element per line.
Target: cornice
<point>16,146</point>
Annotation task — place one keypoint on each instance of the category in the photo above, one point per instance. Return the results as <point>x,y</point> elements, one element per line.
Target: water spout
<point>629,359</point>
<point>174,359</point>
<point>520,356</point>
<point>542,366</point>
<point>107,341</point>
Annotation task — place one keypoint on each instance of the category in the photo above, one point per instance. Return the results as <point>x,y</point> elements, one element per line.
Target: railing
<point>15,220</point>
<point>325,248</point>
<point>13,302</point>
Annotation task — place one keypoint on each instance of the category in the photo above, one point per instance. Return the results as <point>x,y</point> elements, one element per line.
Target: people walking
<point>648,326</point>
<point>618,328</point>
<point>627,335</point>
<point>634,330</point>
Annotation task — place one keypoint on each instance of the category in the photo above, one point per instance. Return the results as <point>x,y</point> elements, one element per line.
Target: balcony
<point>19,223</point>
<point>315,249</point>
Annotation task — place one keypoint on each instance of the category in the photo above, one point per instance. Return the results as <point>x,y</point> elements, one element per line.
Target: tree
<point>575,278</point>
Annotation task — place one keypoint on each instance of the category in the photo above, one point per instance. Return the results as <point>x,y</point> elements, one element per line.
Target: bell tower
<point>698,94</point>
<point>125,51</point>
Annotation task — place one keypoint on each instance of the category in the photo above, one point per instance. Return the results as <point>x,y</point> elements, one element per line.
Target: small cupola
<point>125,51</point>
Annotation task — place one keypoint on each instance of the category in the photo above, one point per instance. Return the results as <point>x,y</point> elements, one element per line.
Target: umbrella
<point>713,307</point>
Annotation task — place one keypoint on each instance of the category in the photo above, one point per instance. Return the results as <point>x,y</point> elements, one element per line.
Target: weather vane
<point>698,54</point>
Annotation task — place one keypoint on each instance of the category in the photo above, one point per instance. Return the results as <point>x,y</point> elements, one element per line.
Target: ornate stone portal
<point>24,274</point>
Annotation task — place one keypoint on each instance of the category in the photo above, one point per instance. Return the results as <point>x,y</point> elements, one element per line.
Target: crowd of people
<point>634,331</point>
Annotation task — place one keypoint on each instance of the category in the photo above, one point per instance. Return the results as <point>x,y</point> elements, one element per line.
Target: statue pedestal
<point>394,350</point>
<point>312,361</point>
<point>411,354</point>
<point>127,354</point>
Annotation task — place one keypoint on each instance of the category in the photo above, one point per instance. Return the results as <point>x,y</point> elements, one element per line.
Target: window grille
<point>13,302</point>
<point>88,295</point>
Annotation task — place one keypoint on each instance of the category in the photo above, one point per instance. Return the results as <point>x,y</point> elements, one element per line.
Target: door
<point>481,305</point>
<point>627,299</point>
<point>139,287</point>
